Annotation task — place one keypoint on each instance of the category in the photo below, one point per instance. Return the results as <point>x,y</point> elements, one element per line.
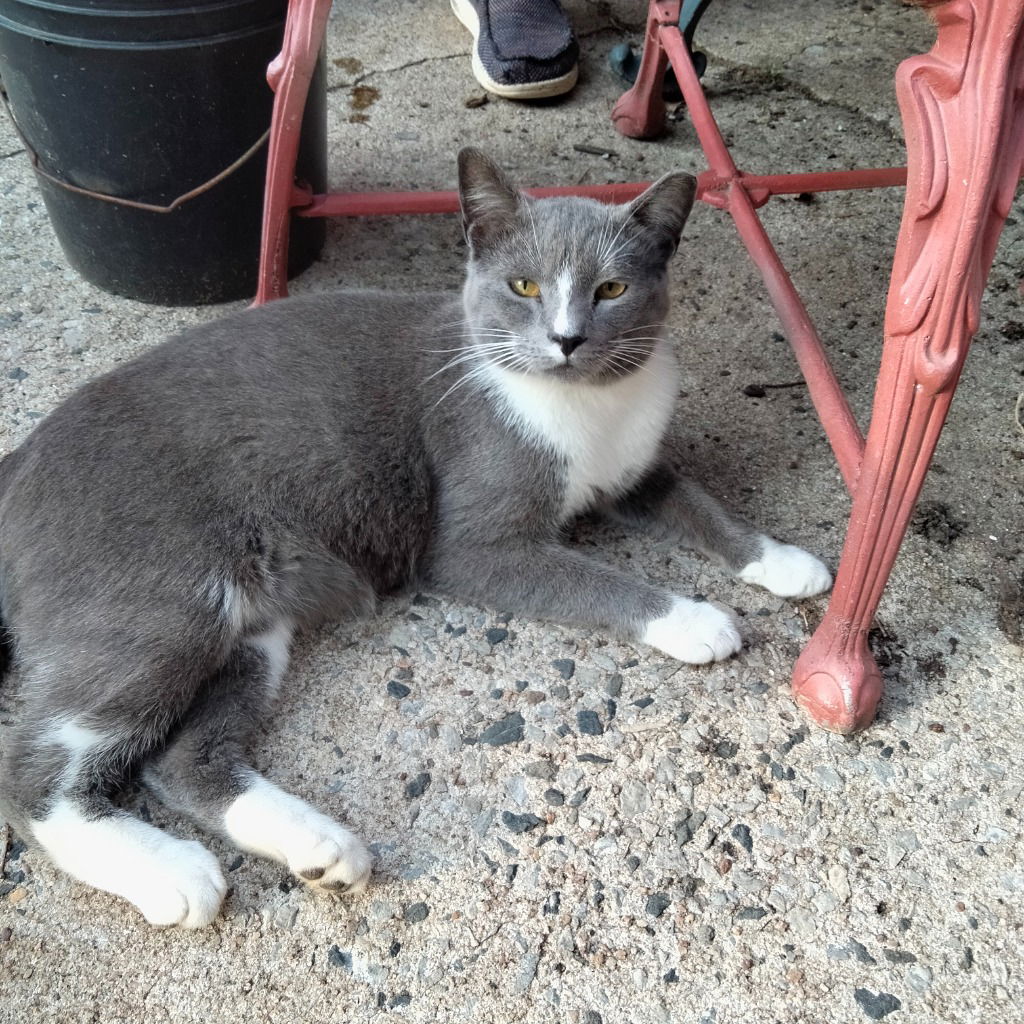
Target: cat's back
<point>291,363</point>
<point>294,397</point>
<point>336,339</point>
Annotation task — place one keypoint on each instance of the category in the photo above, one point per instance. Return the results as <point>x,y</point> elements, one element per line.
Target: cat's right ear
<point>490,203</point>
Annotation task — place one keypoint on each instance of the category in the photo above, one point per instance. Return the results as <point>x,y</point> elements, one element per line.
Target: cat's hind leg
<point>56,779</point>
<point>204,773</point>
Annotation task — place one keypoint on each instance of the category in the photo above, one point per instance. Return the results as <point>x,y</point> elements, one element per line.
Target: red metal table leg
<point>289,76</point>
<point>640,112</point>
<point>963,110</point>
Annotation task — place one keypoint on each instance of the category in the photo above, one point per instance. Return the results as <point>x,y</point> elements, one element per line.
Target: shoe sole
<point>466,13</point>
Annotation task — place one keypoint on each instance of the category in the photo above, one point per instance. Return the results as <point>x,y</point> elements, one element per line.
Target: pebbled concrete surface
<point>567,827</point>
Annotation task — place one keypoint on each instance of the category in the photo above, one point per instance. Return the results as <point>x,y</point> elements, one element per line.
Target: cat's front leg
<point>546,580</point>
<point>676,506</point>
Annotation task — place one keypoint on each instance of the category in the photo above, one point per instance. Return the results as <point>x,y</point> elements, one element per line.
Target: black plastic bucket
<point>147,100</point>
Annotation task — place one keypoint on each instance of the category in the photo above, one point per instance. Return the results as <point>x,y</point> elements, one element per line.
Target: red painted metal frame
<point>963,109</point>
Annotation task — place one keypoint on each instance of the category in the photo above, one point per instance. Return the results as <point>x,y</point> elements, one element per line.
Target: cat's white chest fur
<point>607,435</point>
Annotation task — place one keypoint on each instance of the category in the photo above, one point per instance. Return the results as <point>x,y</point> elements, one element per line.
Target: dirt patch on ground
<point>935,521</point>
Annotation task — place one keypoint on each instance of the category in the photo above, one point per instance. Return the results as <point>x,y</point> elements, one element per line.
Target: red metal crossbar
<point>964,120</point>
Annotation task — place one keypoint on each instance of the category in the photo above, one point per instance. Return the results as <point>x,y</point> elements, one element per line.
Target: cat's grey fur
<point>168,527</point>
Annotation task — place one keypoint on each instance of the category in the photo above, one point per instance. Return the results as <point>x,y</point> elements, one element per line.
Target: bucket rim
<point>270,14</point>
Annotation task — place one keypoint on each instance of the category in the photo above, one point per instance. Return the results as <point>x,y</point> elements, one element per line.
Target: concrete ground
<point>697,851</point>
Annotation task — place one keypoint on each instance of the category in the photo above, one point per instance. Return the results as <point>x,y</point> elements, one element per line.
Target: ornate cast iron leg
<point>963,110</point>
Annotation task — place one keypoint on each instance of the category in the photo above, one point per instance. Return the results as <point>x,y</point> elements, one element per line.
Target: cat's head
<point>569,287</point>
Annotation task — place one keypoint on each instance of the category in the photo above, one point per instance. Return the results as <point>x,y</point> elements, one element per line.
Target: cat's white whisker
<point>477,371</point>
<point>498,342</point>
<point>646,327</point>
<point>473,353</point>
<point>533,227</point>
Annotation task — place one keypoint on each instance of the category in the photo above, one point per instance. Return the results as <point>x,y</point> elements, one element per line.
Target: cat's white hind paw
<point>172,881</point>
<point>325,855</point>
<point>695,632</point>
<point>188,889</point>
<point>787,571</point>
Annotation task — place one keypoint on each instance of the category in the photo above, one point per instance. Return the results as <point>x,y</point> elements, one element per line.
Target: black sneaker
<point>522,49</point>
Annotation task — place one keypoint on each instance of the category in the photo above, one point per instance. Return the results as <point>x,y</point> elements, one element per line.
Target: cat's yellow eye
<point>609,290</point>
<point>528,289</point>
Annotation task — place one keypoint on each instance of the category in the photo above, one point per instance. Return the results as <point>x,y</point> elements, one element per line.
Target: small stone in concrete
<point>593,759</point>
<point>899,956</point>
<point>507,730</point>
<point>686,827</point>
<point>589,724</point>
<point>592,1017</point>
<point>861,953</point>
<point>540,770</point>
<point>635,798</point>
<point>401,999</point>
<point>727,749</point>
<point>339,958</point>
<point>527,972</point>
<point>643,702</point>
<point>520,823</point>
<point>555,797</point>
<point>398,690</point>
<point>613,685</point>
<point>658,903</point>
<point>418,786</point>
<point>579,796</point>
<point>829,779</point>
<point>876,1006</point>
<point>416,912</point>
<point>565,667</point>
<point>919,978</point>
<point>741,833</point>
<point>751,913</point>
<point>496,636</point>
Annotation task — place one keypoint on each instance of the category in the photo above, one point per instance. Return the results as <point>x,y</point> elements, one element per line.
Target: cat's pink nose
<point>568,345</point>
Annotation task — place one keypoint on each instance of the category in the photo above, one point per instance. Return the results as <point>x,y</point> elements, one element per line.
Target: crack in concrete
<point>778,82</point>
<point>14,152</point>
<point>360,78</point>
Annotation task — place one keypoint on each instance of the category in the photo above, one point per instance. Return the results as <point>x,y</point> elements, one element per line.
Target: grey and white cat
<point>166,531</point>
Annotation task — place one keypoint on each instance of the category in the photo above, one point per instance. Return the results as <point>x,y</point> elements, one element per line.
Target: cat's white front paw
<point>275,824</point>
<point>695,632</point>
<point>338,863</point>
<point>787,571</point>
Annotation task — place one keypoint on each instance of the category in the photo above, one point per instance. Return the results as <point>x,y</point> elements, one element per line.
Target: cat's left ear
<point>490,203</point>
<point>664,207</point>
